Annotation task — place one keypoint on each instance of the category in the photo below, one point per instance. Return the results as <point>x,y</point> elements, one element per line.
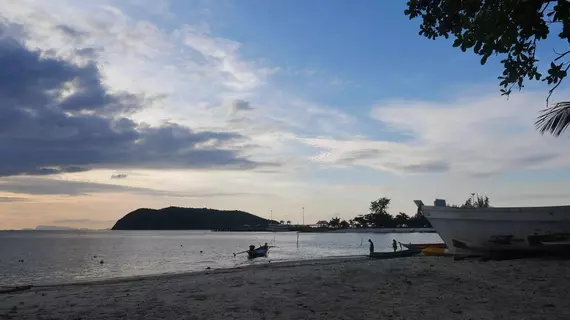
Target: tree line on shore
<point>378,217</point>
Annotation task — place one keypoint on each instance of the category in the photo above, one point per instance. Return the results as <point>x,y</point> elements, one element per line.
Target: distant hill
<point>53,228</point>
<point>176,218</point>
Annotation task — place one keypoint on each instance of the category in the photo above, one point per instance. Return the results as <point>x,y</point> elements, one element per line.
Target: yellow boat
<point>436,252</point>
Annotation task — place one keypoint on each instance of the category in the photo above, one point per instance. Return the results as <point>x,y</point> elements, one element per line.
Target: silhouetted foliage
<point>176,218</point>
<point>477,202</point>
<point>512,29</point>
<point>335,222</point>
<point>554,120</point>
<point>380,218</point>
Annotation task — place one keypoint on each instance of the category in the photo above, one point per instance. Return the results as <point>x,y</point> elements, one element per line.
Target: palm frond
<point>554,120</point>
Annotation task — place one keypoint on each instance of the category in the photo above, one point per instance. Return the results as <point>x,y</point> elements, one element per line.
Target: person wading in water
<point>371,246</point>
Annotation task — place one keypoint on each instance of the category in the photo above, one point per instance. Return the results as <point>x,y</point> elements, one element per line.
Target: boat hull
<point>423,245</point>
<point>257,253</point>
<point>484,231</point>
<point>434,251</point>
<point>395,254</point>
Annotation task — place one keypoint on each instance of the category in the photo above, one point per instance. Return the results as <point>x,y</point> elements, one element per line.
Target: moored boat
<point>257,253</point>
<point>433,251</point>
<point>395,254</point>
<point>423,245</point>
<point>496,230</point>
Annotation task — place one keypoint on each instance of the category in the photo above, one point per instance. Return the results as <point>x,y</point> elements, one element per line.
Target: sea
<point>53,257</point>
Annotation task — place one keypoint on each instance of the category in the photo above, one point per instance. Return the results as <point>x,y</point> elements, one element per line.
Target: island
<point>177,218</point>
<point>54,228</point>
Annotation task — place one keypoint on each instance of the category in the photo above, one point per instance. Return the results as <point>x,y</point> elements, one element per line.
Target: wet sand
<point>349,288</point>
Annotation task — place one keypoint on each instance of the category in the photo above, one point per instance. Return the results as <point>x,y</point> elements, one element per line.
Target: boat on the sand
<point>395,254</point>
<point>497,231</point>
<point>434,251</point>
<point>14,289</point>
<point>423,245</point>
<point>258,253</point>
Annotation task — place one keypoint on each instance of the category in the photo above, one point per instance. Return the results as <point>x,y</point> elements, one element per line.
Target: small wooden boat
<point>395,254</point>
<point>257,253</point>
<point>14,289</point>
<point>423,245</point>
<point>432,251</point>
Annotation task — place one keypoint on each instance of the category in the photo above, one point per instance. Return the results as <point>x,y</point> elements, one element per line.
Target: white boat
<point>484,231</point>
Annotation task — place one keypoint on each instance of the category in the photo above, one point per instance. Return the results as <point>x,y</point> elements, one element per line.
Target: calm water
<point>68,256</point>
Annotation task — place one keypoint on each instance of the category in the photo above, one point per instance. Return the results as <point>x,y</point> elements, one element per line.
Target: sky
<point>261,106</point>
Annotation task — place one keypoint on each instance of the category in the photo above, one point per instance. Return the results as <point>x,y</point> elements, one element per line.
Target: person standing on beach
<point>371,246</point>
<point>394,245</point>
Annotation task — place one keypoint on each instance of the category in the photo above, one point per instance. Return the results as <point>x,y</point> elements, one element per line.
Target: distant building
<point>322,224</point>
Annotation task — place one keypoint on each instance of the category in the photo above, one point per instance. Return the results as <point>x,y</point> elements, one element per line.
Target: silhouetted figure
<point>371,245</point>
<point>394,245</point>
<point>265,246</point>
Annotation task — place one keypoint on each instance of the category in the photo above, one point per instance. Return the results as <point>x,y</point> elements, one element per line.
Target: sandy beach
<point>348,288</point>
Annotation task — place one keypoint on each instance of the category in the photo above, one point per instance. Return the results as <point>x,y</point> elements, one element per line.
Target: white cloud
<point>476,135</point>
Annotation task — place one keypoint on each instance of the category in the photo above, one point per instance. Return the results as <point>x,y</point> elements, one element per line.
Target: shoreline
<point>421,287</point>
<point>273,265</point>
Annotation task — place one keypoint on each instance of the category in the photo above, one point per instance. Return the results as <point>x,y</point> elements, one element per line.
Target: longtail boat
<point>395,254</point>
<point>257,253</point>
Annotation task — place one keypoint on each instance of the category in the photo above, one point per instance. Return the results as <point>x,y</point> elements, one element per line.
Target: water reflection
<point>66,256</point>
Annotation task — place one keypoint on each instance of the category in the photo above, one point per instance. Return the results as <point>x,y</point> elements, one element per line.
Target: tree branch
<point>561,55</point>
<point>556,86</point>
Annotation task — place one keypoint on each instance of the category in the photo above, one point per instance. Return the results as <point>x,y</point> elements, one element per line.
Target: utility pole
<point>271,211</point>
<point>303,209</point>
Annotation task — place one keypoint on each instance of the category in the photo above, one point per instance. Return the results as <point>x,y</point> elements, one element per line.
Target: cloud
<point>12,199</point>
<point>82,221</point>
<point>72,33</point>
<point>119,176</point>
<point>199,73</point>
<point>239,105</point>
<point>475,135</point>
<point>428,167</point>
<point>42,186</point>
<point>58,117</point>
<point>537,196</point>
<point>352,156</point>
<point>47,186</point>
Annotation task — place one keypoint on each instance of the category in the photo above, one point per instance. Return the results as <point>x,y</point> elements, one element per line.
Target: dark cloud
<point>43,186</point>
<point>536,159</point>
<point>427,167</point>
<point>240,105</point>
<point>119,176</point>
<point>12,199</point>
<point>359,155</point>
<point>71,32</point>
<point>57,117</point>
